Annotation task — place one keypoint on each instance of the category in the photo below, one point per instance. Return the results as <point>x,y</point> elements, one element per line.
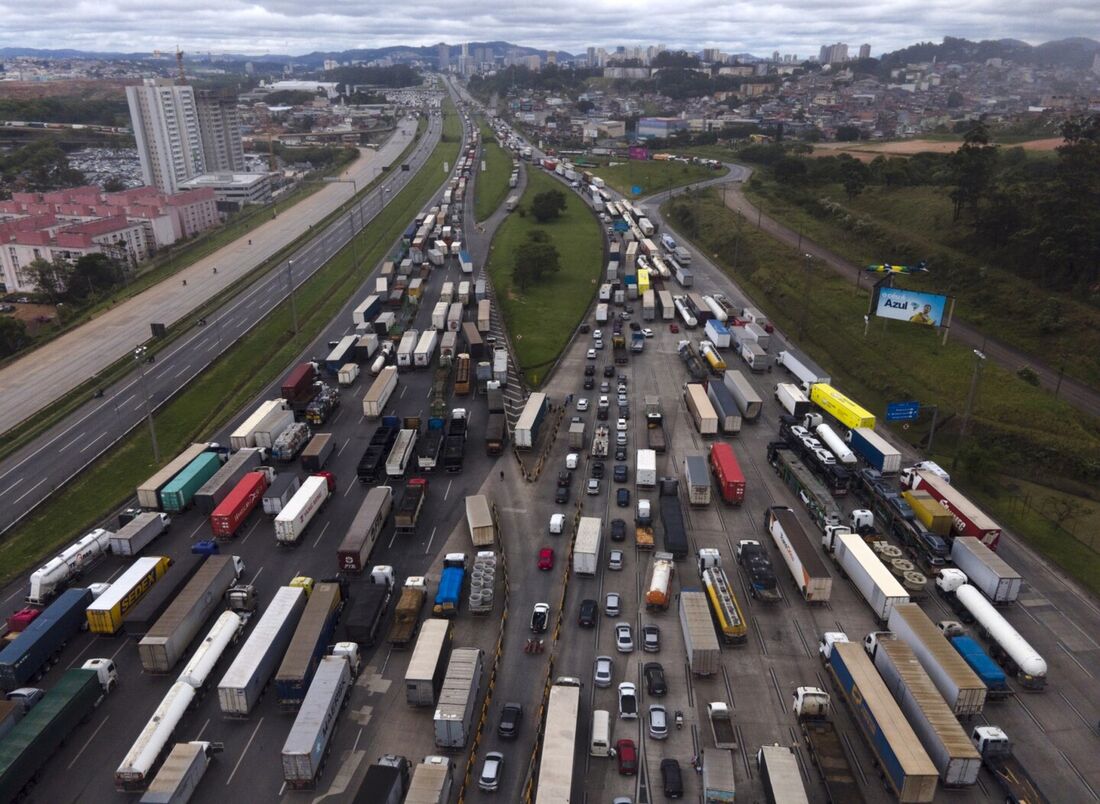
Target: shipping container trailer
<point>139,619</point>
<point>311,638</point>
<point>367,309</point>
<point>297,387</point>
<point>986,570</point>
<point>272,426</point>
<point>868,574</point>
<point>245,434</point>
<point>454,711</point>
<point>526,431</point>
<point>555,769</point>
<point>432,782</point>
<point>779,775</point>
<point>39,644</point>
<point>726,408</point>
<point>135,535</point>
<point>353,555</point>
<point>180,774</point>
<point>727,473</point>
<point>343,351</point>
<point>990,673</point>
<point>291,522</point>
<point>233,511</point>
<point>106,612</point>
<point>672,518</point>
<point>148,493</point>
<point>317,452</point>
<point>969,519</point>
<point>840,407</point>
<point>702,412</point>
<point>697,479</point>
<point>479,519</point>
<point>875,450</point>
<point>177,494</point>
<point>280,491</point>
<point>804,370</point>
<point>807,568</point>
<point>307,745</point>
<point>374,402</point>
<point>748,401</point>
<point>586,546</point>
<point>428,663</point>
<point>214,490</point>
<point>366,609</point>
<point>698,631</point>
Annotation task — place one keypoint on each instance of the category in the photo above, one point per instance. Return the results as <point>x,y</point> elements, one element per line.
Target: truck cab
<point>810,702</point>
<point>645,512</point>
<point>350,651</point>
<point>241,598</point>
<point>828,639</point>
<point>105,671</point>
<point>709,558</point>
<point>950,579</point>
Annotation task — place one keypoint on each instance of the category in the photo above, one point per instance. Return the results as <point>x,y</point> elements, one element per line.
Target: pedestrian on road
<point>501,474</point>
<point>215,269</point>
<point>185,283</point>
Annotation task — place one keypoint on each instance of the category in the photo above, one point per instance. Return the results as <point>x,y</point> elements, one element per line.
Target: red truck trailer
<point>297,388</point>
<point>238,504</point>
<point>731,480</point>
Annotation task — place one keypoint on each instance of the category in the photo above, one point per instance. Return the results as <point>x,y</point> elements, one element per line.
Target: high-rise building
<point>444,54</point>
<point>865,51</point>
<point>166,126</point>
<point>833,54</point>
<point>220,131</point>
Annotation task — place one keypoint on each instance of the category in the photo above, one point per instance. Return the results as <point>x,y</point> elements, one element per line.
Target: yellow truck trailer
<point>840,407</point>
<point>106,612</point>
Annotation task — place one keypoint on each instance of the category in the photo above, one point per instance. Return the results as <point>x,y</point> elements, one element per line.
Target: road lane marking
<point>430,538</point>
<point>28,491</point>
<point>202,730</point>
<point>448,491</point>
<point>346,440</point>
<point>229,781</point>
<point>89,742</point>
<point>255,525</point>
<point>322,534</point>
<point>86,649</point>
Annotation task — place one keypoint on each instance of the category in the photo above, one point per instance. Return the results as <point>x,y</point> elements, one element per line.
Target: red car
<point>546,558</point>
<point>673,327</point>
<point>628,757</point>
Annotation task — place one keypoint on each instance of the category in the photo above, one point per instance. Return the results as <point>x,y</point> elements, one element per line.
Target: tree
<point>93,273</point>
<point>114,184</point>
<point>548,205</point>
<point>51,278</point>
<point>535,259</point>
<point>13,336</point>
<point>847,133</point>
<point>954,99</point>
<point>789,170</point>
<point>973,166</point>
<point>1063,510</point>
<point>854,179</point>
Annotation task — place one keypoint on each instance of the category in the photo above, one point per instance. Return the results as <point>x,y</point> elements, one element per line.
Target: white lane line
<point>117,652</point>
<point>127,399</point>
<point>247,745</point>
<point>75,439</point>
<point>183,369</point>
<point>346,440</point>
<point>12,486</point>
<point>321,535</point>
<point>14,594</point>
<point>392,539</point>
<point>195,532</point>
<point>255,525</point>
<point>257,575</point>
<point>357,736</point>
<point>203,729</point>
<point>404,388</point>
<point>448,491</point>
<point>348,490</point>
<point>89,742</point>
<point>28,491</point>
<point>86,649</point>
<point>430,538</point>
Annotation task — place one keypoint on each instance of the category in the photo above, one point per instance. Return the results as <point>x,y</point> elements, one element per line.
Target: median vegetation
<point>231,383</point>
<point>491,185</point>
<point>542,305</point>
<point>1017,432</point>
<point>653,176</point>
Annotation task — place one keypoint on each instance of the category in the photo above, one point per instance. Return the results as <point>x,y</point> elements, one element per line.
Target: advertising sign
<point>910,305</point>
<point>639,152</point>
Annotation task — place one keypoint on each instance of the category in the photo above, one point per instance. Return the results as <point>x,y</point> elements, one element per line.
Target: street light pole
<point>290,292</point>
<point>139,357</point>
<point>979,359</point>
<point>805,297</point>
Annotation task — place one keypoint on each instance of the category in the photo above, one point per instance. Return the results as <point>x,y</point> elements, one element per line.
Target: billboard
<point>910,305</point>
<point>638,152</point>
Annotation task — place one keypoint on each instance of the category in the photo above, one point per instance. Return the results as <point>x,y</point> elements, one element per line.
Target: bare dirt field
<point>35,316</point>
<point>867,151</point>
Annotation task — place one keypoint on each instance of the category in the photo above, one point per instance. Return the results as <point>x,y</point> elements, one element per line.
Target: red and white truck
<point>969,519</point>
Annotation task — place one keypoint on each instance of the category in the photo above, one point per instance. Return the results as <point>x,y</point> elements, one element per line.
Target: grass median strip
<point>653,176</point>
<point>229,384</point>
<point>542,318</point>
<point>491,185</point>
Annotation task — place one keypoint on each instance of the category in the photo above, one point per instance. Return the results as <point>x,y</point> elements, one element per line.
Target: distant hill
<point>1076,52</point>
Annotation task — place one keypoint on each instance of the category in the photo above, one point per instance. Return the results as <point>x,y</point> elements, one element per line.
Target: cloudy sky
<point>290,27</point>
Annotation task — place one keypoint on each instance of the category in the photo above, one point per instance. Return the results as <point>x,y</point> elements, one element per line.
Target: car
<point>597,469</point>
<point>491,771</point>
<point>618,530</point>
<point>608,371</point>
<point>584,328</point>
<point>624,316</point>
<point>605,387</point>
<point>624,638</point>
<point>589,370</point>
<point>561,496</point>
<point>593,487</point>
<point>598,344</point>
<point>597,334</point>
<point>601,415</point>
<point>601,675</point>
<point>798,431</point>
<point>628,701</point>
<point>629,309</point>
<point>624,412</point>
<point>654,679</point>
<point>622,387</point>
<point>557,524</point>
<point>546,559</point>
<point>621,424</point>
<point>626,754</point>
<point>621,399</point>
<point>658,722</point>
<point>651,638</point>
<point>615,560</point>
<point>565,477</point>
<point>620,439</point>
<point>589,383</point>
<point>540,617</point>
<point>604,402</point>
<point>622,498</point>
<point>207,547</point>
<point>671,779</point>
<point>582,404</point>
<point>590,354</point>
<point>647,332</point>
<point>7,308</point>
<point>673,327</point>
<point>622,380</point>
<point>621,473</point>
<point>512,715</point>
<point>635,326</point>
<point>611,603</point>
<point>620,453</point>
<point>586,617</point>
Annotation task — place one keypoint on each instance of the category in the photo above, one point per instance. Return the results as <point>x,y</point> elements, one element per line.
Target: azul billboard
<point>910,305</point>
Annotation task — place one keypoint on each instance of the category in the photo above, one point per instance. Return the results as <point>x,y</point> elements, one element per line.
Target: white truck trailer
<point>586,547</point>
<point>454,711</point>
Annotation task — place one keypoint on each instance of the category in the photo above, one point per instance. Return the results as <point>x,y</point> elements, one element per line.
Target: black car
<point>654,678</point>
<point>622,498</point>
<point>671,779</point>
<point>601,414</point>
<point>587,616</point>
<point>564,479</point>
<point>620,473</point>
<point>597,469</point>
<point>609,371</point>
<point>622,378</point>
<point>589,370</point>
<point>618,530</point>
<point>589,383</point>
<point>634,325</point>
<point>585,329</point>
<point>620,453</point>
<point>510,718</point>
<point>562,495</point>
<point>624,411</point>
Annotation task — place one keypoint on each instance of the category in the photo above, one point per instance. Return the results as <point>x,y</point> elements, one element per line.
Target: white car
<point>593,487</point>
<point>572,460</point>
<point>591,354</point>
<point>611,604</point>
<point>557,524</point>
<point>620,425</point>
<point>628,701</point>
<point>624,638</point>
<point>615,560</point>
<point>621,390</point>
<point>491,771</point>
<point>582,404</point>
<point>658,722</point>
<point>597,334</point>
<point>620,439</point>
<point>602,674</point>
<point>598,344</point>
<point>647,332</point>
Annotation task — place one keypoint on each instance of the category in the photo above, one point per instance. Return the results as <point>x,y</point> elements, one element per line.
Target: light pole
<point>805,296</point>
<point>979,359</point>
<point>290,292</point>
<point>351,212</point>
<point>139,358</point>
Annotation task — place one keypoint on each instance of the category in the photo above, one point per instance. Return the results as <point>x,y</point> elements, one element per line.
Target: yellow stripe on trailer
<point>106,612</point>
<point>840,407</point>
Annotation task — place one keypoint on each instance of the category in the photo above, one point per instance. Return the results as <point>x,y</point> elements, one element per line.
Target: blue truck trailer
<point>450,585</point>
<point>986,669</point>
<point>41,642</point>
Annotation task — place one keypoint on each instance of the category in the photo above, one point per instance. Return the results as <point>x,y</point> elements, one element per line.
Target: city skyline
<point>267,27</point>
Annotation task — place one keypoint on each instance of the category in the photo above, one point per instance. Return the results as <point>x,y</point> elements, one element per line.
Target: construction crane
<point>179,65</point>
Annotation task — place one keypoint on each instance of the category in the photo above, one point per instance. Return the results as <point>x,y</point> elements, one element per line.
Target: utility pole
<point>139,358</point>
<point>979,359</point>
<point>351,213</point>
<point>290,292</point>
<point>805,297</point>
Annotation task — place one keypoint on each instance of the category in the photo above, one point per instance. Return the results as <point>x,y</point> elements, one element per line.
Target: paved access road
<point>34,381</point>
<point>32,474</point>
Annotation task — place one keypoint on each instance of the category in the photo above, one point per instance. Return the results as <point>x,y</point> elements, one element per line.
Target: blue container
<point>987,669</point>
<point>43,638</point>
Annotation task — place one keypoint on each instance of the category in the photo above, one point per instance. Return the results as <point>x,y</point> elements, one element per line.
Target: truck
<point>701,410</point>
<point>380,392</point>
<point>298,386</point>
<point>454,711</point>
<point>39,645</point>
<point>226,630</point>
<point>290,442</point>
<point>292,521</point>
<point>929,512</point>
<point>30,744</point>
<point>721,725</point>
<point>754,356</point>
<point>348,374</point>
<point>311,637</point>
<point>479,519</point>
<point>272,427</point>
<point>725,407</point>
<point>931,718</point>
<point>341,353</point>
<point>168,639</point>
<point>385,782</point>
<point>875,450</point>
<point>753,556</point>
<point>586,546</point>
<point>451,580</point>
<point>727,473</point>
<point>990,673</point>
<point>699,639</point>
<point>986,570</point>
<point>696,479</point>
<point>148,493</point>
<point>836,444</point>
<point>511,202</point>
<point>425,348</point>
<point>439,314</point>
<point>136,534</point>
<point>134,770</point>
<point>907,769</point>
<point>318,451</point>
<point>716,330</point>
<point>718,778</point>
<point>430,445</point>
<point>599,441</point>
<point>744,395</point>
<point>578,435</point>
<point>217,488</point>
<point>244,436</point>
<point>307,746</point>
<point>106,612</point>
<point>500,365</point>
<point>712,358</point>
<point>696,370</point>
<point>875,583</point>
<point>655,436</point>
<point>812,708</point>
<point>792,400</point>
<point>495,434</point>
<point>180,774</point>
<point>366,608</point>
<point>454,444</point>
<point>645,473</point>
<point>806,567</point>
<point>1012,777</point>
<point>428,663</point>
<point>804,370</point>
<point>406,614</point>
<point>234,509</point>
<point>659,588</point>
<point>963,690</point>
<point>840,407</point>
<point>526,432</point>
<point>484,315</point>
<point>280,491</point>
<point>244,682</point>
<point>67,566</point>
<point>401,454</point>
<point>432,781</point>
<point>779,775</point>
<point>412,502</point>
<point>178,493</point>
<point>372,464</point>
<point>406,347</point>
<point>323,404</point>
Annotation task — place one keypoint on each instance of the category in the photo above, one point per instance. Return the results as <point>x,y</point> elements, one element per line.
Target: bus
<point>462,375</point>
<point>555,774</point>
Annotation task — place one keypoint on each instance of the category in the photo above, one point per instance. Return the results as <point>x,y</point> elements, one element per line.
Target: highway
<point>33,473</point>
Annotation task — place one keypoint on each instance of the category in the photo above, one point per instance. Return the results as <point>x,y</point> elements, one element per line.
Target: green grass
<point>491,185</point>
<point>542,319</point>
<point>914,223</point>
<point>653,177</point>
<point>229,384</point>
<point>1015,424</point>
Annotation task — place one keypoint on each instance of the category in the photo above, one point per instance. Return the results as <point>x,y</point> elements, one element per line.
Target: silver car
<point>602,674</point>
<point>611,604</point>
<point>624,638</point>
<point>658,722</point>
<point>492,769</point>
